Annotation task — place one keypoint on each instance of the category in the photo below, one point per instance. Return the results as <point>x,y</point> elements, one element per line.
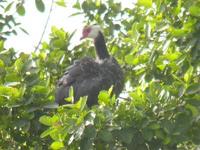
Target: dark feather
<point>88,77</point>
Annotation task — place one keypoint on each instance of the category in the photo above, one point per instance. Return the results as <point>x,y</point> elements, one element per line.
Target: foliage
<point>9,9</point>
<point>156,43</point>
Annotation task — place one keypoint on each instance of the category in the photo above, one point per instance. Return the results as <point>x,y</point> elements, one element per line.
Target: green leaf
<point>105,136</point>
<point>178,32</point>
<point>38,89</point>
<point>40,5</point>
<point>145,3</point>
<point>22,63</point>
<point>182,123</point>
<point>81,103</point>
<point>90,132</point>
<point>46,120</point>
<point>129,59</point>
<point>194,88</point>
<point>195,10</point>
<point>70,98</point>
<point>160,134</point>
<point>167,140</point>
<point>125,135</point>
<point>12,77</point>
<point>1,45</point>
<point>86,144</point>
<point>20,10</point>
<point>57,145</point>
<point>148,134</point>
<point>110,91</point>
<point>8,7</point>
<point>172,56</point>
<point>58,43</point>
<point>1,63</point>
<point>178,8</point>
<point>168,126</point>
<point>85,5</point>
<point>47,132</point>
<point>135,32</point>
<point>55,119</point>
<point>77,5</point>
<point>193,109</point>
<point>61,3</point>
<point>71,91</point>
<point>9,92</point>
<point>104,98</point>
<point>154,126</point>
<point>76,14</point>
<point>188,74</point>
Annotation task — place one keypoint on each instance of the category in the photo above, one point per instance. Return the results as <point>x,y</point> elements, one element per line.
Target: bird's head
<point>90,31</point>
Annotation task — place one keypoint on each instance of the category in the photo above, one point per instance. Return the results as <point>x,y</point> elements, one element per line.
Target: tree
<point>156,42</point>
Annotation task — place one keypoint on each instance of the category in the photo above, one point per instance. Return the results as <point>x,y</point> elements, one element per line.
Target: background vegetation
<point>157,42</point>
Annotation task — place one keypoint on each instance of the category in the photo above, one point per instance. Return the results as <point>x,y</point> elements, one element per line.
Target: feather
<point>89,76</point>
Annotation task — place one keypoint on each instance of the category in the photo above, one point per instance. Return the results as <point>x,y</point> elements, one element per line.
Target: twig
<point>124,98</point>
<point>45,27</point>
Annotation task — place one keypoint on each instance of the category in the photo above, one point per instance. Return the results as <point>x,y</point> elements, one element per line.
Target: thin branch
<point>45,27</point>
<point>124,98</point>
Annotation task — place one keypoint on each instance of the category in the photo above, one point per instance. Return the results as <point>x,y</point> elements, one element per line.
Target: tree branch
<point>45,27</point>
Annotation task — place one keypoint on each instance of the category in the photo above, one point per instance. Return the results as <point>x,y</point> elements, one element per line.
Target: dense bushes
<point>156,43</point>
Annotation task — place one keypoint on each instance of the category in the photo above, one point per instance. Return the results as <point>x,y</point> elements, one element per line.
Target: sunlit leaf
<point>188,74</point>
<point>1,45</point>
<point>47,132</point>
<point>130,59</point>
<point>178,8</point>
<point>57,145</point>
<point>146,3</point>
<point>46,120</point>
<point>104,97</point>
<point>38,89</point>
<point>195,10</point>
<point>9,92</point>
<point>1,63</point>
<point>61,3</point>
<point>81,103</point>
<point>77,5</point>
<point>110,90</point>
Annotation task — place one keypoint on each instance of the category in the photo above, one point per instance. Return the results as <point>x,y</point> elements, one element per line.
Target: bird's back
<point>88,77</point>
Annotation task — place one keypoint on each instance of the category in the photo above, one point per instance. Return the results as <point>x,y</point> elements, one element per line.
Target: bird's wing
<point>83,75</point>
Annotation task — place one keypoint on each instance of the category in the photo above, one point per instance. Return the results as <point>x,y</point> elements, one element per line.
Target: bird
<point>88,76</point>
